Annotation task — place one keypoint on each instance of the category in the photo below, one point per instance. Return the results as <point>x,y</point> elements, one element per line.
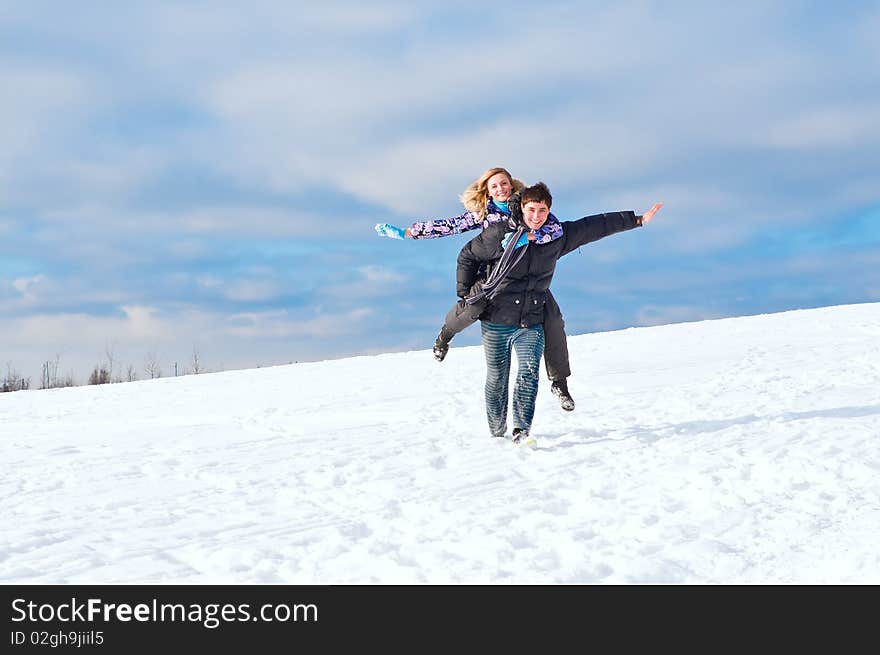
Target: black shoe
<point>560,388</point>
<point>520,436</point>
<point>441,346</point>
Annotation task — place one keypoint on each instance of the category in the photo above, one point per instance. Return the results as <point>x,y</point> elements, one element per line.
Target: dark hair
<point>537,193</point>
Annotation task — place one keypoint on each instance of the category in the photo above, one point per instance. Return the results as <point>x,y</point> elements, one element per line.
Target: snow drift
<point>742,450</point>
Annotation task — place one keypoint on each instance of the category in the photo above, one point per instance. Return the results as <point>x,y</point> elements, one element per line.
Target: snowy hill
<point>740,450</point>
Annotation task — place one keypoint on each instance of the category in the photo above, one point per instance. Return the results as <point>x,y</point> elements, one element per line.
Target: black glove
<point>514,204</point>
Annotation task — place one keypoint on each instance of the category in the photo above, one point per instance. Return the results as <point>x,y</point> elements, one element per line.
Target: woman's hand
<point>391,231</point>
<point>649,215</point>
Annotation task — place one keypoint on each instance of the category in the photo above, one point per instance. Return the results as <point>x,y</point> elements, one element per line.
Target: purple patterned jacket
<point>443,227</point>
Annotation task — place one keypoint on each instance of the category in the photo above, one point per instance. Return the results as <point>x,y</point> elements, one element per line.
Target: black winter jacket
<point>523,292</point>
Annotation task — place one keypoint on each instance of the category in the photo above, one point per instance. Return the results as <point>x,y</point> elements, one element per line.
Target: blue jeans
<point>498,342</point>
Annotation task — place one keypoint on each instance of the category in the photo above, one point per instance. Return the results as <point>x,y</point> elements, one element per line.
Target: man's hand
<point>649,215</point>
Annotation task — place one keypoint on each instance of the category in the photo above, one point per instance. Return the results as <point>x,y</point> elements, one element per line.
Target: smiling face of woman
<point>499,187</point>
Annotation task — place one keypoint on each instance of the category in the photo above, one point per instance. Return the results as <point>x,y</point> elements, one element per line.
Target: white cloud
<point>26,292</point>
<point>408,126</point>
<point>868,30</point>
<point>143,322</point>
<point>304,223</point>
<point>188,249</point>
<point>561,148</point>
<point>380,275</point>
<point>645,111</point>
<point>827,127</point>
<point>693,219</point>
<point>37,292</point>
<point>369,282</point>
<point>38,98</point>
<point>290,122</point>
<point>252,290</point>
<point>81,339</point>
<point>270,21</point>
<point>23,284</point>
<point>111,223</point>
<point>42,104</point>
<point>811,263</point>
<point>282,324</point>
<point>224,341</point>
<point>209,281</point>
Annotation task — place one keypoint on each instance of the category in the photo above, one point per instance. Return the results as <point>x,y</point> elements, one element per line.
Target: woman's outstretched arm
<point>440,227</point>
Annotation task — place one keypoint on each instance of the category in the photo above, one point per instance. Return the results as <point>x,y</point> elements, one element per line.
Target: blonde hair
<point>476,196</point>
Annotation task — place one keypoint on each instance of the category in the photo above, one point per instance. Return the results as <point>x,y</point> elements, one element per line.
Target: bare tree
<point>131,374</point>
<point>13,381</point>
<point>46,375</point>
<point>100,375</point>
<point>195,362</point>
<point>110,356</point>
<point>151,365</point>
<point>49,376</point>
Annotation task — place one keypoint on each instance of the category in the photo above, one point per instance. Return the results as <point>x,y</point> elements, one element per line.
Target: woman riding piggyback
<point>490,200</point>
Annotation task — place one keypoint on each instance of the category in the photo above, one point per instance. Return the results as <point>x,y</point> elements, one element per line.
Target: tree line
<point>107,371</point>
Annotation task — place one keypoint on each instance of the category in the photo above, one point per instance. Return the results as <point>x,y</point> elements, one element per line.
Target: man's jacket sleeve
<point>598,226</point>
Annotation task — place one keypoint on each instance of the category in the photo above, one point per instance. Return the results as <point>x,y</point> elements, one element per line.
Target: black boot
<point>560,388</point>
<point>520,436</point>
<point>441,344</point>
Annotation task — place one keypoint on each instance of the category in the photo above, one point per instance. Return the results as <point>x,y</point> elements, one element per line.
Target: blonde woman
<point>491,199</point>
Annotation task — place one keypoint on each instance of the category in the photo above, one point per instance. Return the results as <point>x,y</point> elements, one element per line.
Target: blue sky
<point>207,175</point>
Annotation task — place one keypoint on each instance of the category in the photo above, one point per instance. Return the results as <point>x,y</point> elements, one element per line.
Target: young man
<point>519,277</point>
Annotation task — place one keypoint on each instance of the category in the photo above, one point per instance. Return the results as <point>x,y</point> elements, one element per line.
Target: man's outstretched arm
<point>599,226</point>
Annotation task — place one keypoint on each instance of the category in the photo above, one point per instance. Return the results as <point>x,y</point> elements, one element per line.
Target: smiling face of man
<point>535,214</point>
<point>536,203</point>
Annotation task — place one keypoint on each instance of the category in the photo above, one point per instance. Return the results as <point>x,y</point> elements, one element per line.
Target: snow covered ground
<point>741,450</point>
